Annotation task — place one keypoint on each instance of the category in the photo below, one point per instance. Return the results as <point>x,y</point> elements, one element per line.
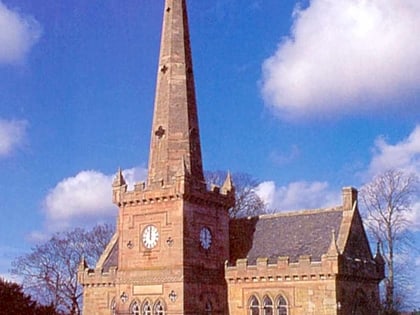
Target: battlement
<point>304,269</point>
<point>284,270</point>
<point>97,277</point>
<point>142,194</point>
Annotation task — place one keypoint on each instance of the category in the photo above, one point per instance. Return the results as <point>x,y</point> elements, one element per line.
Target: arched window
<point>268,306</point>
<point>159,308</point>
<point>146,309</point>
<point>113,307</point>
<point>135,308</point>
<point>281,306</point>
<point>208,309</point>
<point>254,306</point>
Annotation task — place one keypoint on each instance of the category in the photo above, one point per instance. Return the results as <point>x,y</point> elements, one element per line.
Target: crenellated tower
<point>172,237</point>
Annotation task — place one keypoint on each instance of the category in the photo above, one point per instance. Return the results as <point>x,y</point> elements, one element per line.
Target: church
<point>176,251</point>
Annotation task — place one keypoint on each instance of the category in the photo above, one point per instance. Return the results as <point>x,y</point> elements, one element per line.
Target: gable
<point>357,244</point>
<point>109,257</point>
<point>112,260</point>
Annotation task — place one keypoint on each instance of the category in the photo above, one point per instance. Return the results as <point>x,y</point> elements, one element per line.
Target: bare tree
<point>49,271</point>
<point>247,202</point>
<point>388,201</point>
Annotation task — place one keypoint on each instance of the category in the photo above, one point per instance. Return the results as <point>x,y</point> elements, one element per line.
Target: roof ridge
<point>299,212</point>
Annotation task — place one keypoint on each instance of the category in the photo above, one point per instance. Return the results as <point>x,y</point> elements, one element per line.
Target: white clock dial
<point>150,236</point>
<point>205,238</point>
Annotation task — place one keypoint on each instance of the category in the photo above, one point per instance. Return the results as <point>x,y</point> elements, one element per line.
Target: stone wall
<point>308,287</point>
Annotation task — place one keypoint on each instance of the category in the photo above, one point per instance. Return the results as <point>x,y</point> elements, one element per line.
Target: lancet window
<point>159,308</point>
<point>146,309</point>
<point>254,306</point>
<point>113,307</point>
<point>282,308</point>
<point>268,306</point>
<point>135,308</point>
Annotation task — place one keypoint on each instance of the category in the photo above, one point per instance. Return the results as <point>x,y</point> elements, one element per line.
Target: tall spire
<point>175,134</point>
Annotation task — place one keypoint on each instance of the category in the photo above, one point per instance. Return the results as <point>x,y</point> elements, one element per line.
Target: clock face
<point>205,238</point>
<point>150,236</point>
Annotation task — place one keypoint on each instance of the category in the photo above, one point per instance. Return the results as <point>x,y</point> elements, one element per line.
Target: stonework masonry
<point>176,251</point>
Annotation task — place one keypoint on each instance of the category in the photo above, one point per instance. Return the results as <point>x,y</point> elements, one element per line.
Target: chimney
<point>349,197</point>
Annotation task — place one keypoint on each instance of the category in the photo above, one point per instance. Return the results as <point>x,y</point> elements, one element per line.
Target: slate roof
<point>288,234</point>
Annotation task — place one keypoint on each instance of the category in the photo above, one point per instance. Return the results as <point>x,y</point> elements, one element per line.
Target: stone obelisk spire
<point>175,139</point>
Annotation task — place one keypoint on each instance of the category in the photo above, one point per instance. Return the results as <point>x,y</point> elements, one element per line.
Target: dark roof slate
<point>293,234</point>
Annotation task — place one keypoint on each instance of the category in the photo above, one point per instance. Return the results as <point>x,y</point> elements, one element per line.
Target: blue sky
<point>306,96</point>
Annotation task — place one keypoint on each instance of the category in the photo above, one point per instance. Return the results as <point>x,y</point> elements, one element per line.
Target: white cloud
<point>134,175</point>
<point>82,199</point>
<point>12,134</point>
<point>86,194</point>
<point>342,54</point>
<point>402,155</point>
<point>297,195</point>
<point>18,33</point>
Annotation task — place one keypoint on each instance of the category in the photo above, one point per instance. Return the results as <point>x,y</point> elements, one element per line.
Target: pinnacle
<point>333,249</point>
<point>228,184</point>
<point>119,179</point>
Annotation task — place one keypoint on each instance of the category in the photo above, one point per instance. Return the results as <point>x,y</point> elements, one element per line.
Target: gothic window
<point>254,306</point>
<point>134,308</point>
<point>208,309</point>
<point>113,307</point>
<point>159,308</point>
<point>267,306</point>
<point>281,306</point>
<point>147,309</point>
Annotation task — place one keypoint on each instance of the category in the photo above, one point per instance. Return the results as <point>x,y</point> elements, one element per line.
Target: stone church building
<point>176,251</point>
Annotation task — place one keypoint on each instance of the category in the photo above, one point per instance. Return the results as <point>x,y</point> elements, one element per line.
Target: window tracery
<point>254,306</point>
<point>268,306</point>
<point>281,306</point>
<point>159,308</point>
<point>135,308</point>
<point>113,307</point>
<point>146,309</point>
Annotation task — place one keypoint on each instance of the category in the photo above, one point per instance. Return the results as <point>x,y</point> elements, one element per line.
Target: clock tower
<point>175,250</point>
<point>172,231</point>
